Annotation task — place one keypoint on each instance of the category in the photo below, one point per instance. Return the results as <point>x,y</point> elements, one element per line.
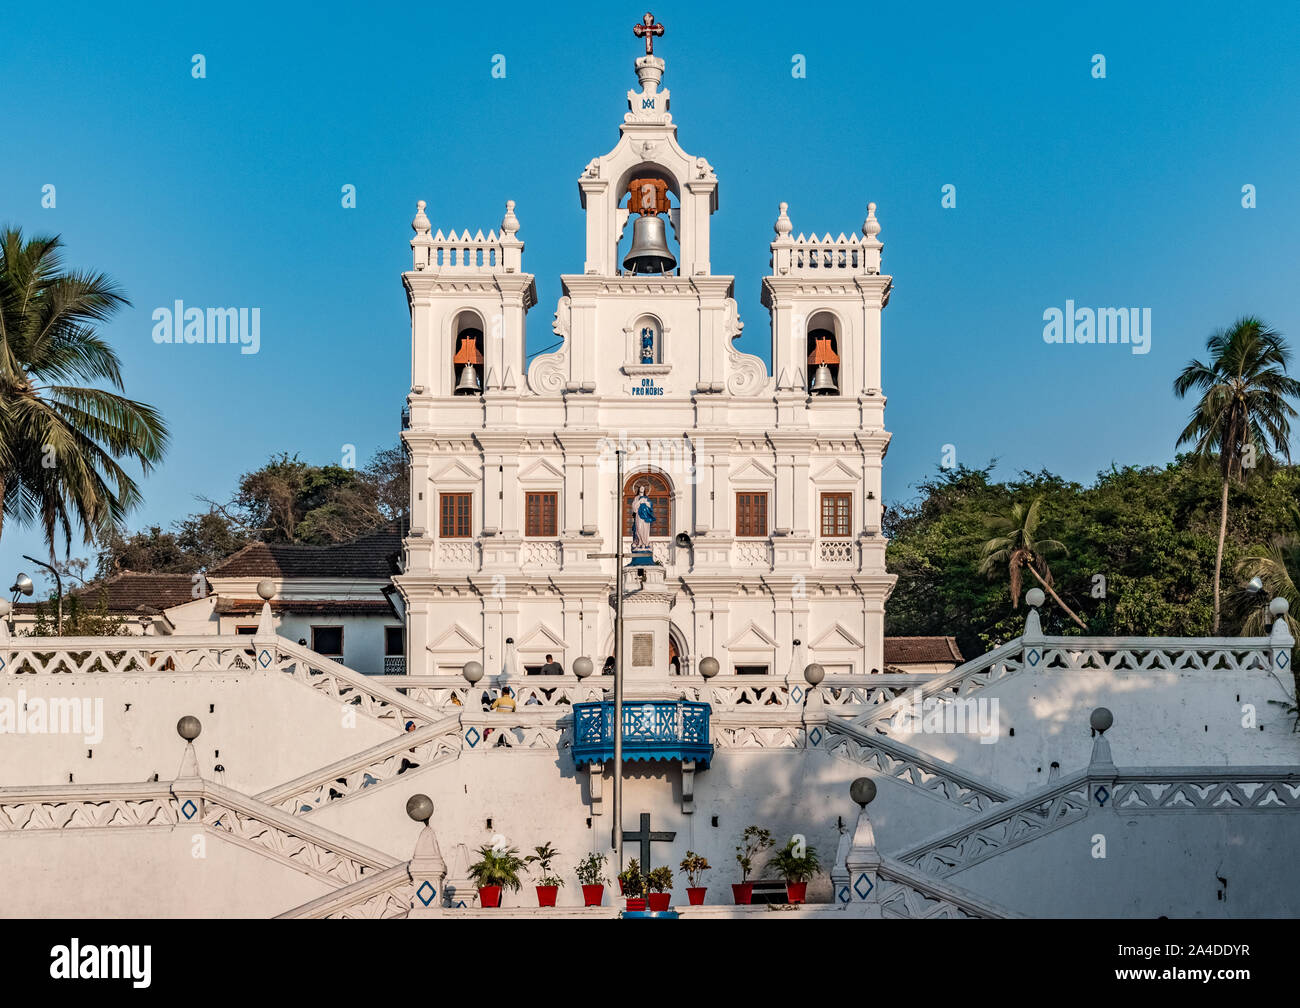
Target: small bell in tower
<point>823,356</point>
<point>649,252</point>
<point>467,357</point>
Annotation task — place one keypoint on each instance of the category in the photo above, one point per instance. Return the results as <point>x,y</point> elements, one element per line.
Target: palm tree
<point>1278,567</point>
<point>1016,546</point>
<point>60,441</point>
<point>1243,416</point>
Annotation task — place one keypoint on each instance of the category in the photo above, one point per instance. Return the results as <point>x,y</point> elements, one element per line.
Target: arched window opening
<point>660,494</point>
<point>823,355</point>
<point>650,249</point>
<point>467,355</point>
<point>648,347</point>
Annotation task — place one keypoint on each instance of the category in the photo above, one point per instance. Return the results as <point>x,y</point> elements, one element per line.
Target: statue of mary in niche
<point>643,519</point>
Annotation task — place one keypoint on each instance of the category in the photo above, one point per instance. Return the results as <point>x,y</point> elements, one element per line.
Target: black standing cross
<point>645,836</point>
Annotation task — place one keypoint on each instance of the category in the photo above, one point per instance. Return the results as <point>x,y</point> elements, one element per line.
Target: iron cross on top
<point>649,29</point>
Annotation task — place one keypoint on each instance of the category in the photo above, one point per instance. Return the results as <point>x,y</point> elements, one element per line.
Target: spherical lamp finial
<point>1101,720</point>
<point>709,667</point>
<point>814,673</point>
<point>1035,598</point>
<point>266,589</point>
<point>419,807</point>
<point>472,671</point>
<point>1279,607</point>
<point>189,727</point>
<point>583,667</point>
<point>863,791</point>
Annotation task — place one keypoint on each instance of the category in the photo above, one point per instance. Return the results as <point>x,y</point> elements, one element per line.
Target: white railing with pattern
<point>321,853</point>
<point>347,686</point>
<point>1146,789</point>
<point>911,766</point>
<point>835,551</point>
<point>375,767</point>
<point>387,894</point>
<point>125,655</point>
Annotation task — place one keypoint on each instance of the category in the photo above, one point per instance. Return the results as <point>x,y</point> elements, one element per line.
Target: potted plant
<point>694,866</point>
<point>548,886</point>
<point>494,869</point>
<point>796,868</point>
<point>659,881</point>
<point>754,840</point>
<point>632,884</point>
<point>591,876</point>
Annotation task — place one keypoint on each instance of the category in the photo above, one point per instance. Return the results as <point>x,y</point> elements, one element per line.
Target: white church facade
<point>212,764</point>
<point>766,488</point>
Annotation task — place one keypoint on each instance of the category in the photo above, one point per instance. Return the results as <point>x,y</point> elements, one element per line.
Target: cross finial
<point>649,29</point>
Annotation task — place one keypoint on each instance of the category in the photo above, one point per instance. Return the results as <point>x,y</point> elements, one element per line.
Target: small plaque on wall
<point>643,650</point>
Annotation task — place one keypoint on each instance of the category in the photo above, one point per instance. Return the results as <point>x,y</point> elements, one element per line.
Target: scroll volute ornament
<point>647,196</point>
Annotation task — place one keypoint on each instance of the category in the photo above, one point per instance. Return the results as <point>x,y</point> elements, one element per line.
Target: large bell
<point>649,252</point>
<point>468,384</point>
<point>823,383</point>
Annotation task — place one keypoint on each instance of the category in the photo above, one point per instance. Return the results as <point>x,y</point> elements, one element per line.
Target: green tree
<point>1277,566</point>
<point>1242,417</point>
<point>1017,546</point>
<point>61,442</point>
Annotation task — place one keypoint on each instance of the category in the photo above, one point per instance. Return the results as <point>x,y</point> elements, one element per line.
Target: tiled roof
<point>919,650</point>
<point>127,591</point>
<point>371,556</point>
<point>252,607</point>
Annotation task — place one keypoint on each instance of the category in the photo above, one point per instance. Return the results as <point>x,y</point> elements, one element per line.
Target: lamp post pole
<point>618,669</point>
<point>58,587</point>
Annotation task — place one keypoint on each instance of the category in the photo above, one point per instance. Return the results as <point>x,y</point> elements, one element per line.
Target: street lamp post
<point>58,587</point>
<point>617,816</point>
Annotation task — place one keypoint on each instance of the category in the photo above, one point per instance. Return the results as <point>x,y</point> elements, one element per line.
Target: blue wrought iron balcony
<point>652,730</point>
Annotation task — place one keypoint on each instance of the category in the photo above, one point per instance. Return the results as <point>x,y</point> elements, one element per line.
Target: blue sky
<point>1116,192</point>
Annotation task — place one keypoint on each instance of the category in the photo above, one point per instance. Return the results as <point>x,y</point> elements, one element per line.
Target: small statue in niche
<point>648,345</point>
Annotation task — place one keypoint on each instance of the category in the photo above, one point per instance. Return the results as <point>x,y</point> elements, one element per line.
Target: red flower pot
<point>635,903</point>
<point>696,895</point>
<point>593,895</point>
<point>489,896</point>
<point>621,891</point>
<point>660,901</point>
<point>742,893</point>
<point>796,891</point>
<point>546,895</point>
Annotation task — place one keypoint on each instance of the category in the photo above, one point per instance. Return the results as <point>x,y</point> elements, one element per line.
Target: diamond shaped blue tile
<point>844,894</point>
<point>796,695</point>
<point>1101,794</point>
<point>264,658</point>
<point>426,893</point>
<point>1282,660</point>
<point>189,809</point>
<point>857,886</point>
<point>2,664</point>
<point>472,737</point>
<point>460,904</point>
<point>815,736</point>
<point>1034,657</point>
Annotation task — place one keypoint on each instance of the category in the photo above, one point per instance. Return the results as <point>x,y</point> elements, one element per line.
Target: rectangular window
<point>455,515</point>
<point>751,514</point>
<point>532,670</point>
<point>836,509</point>
<point>394,640</point>
<point>539,515</point>
<point>327,640</point>
<point>246,631</point>
<point>751,670</point>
